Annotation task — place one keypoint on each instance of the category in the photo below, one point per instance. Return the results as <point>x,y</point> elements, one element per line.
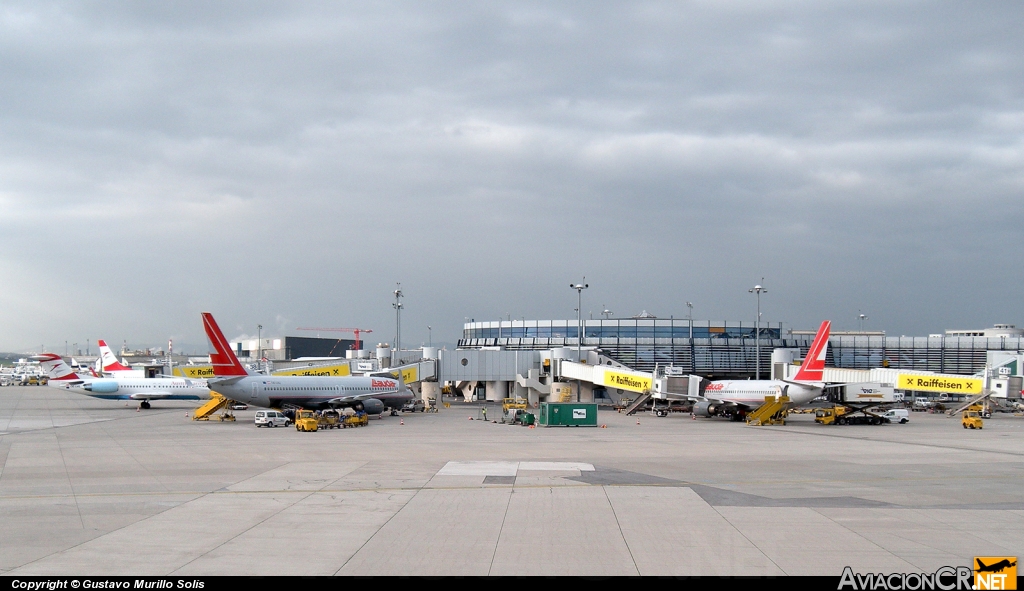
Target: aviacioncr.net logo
<point>946,578</point>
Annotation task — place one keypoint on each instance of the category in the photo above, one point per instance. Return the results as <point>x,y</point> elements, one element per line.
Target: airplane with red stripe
<point>736,397</point>
<point>144,390</point>
<point>110,366</point>
<point>372,394</point>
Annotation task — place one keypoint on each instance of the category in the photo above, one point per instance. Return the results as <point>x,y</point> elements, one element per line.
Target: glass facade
<point>727,349</point>
<point>618,329</point>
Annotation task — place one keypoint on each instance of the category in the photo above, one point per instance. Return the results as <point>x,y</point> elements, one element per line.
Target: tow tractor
<point>305,420</point>
<point>971,419</point>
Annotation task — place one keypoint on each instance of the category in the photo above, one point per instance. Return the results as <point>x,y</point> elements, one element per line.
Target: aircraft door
<point>254,391</point>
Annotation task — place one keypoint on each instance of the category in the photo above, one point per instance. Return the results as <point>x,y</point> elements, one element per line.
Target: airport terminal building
<point>728,349</point>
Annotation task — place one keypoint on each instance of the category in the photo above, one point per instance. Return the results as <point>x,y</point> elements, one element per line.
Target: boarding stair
<point>772,412</point>
<point>216,402</point>
<point>640,401</point>
<point>979,399</point>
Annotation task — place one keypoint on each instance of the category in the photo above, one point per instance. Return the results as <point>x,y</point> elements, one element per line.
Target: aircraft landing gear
<point>144,405</point>
<point>394,412</point>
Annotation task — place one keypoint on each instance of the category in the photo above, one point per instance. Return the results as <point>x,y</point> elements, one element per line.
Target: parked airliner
<point>736,397</point>
<point>121,388</point>
<point>373,394</point>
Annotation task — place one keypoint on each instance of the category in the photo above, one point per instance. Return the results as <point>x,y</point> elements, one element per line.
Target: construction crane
<point>356,331</point>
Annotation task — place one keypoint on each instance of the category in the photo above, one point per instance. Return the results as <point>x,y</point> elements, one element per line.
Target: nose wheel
<point>144,405</point>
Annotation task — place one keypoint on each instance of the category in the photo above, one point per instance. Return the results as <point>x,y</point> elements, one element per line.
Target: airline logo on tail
<point>108,362</point>
<point>814,363</point>
<point>225,364</point>
<point>56,369</point>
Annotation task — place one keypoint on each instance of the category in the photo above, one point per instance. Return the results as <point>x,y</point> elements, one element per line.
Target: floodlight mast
<point>579,287</point>
<point>757,289</point>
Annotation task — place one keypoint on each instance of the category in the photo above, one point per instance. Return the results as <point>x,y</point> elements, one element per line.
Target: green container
<point>526,418</point>
<point>566,414</point>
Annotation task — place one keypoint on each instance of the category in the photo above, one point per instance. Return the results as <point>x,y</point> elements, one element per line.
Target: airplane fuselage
<point>751,393</point>
<point>138,388</point>
<point>312,392</point>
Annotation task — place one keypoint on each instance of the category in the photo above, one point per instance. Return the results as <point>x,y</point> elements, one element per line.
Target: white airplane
<point>736,397</point>
<point>372,394</point>
<point>121,388</point>
<point>109,365</point>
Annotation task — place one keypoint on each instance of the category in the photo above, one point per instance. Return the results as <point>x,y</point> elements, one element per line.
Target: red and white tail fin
<point>108,362</point>
<point>814,363</point>
<point>55,368</point>
<point>225,364</point>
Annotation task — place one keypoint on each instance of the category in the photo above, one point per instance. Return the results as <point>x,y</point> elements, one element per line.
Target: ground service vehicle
<point>271,418</point>
<point>415,405</point>
<point>972,420</point>
<point>358,419</point>
<point>305,420</point>
<point>897,415</point>
<point>329,419</point>
<point>842,415</point>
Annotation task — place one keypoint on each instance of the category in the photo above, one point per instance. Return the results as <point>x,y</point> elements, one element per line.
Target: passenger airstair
<point>217,402</point>
<point>976,400</point>
<point>772,412</point>
<point>636,404</point>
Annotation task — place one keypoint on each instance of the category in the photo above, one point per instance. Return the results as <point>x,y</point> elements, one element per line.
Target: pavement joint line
<point>248,529</point>
<point>619,526</point>
<point>744,536</point>
<point>71,483</point>
<point>679,484</point>
<point>501,530</point>
<point>383,525</point>
<point>798,431</point>
<point>859,535</point>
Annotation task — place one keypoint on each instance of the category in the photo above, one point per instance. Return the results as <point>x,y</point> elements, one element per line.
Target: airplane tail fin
<point>814,363</point>
<point>108,362</point>
<point>56,369</point>
<point>225,363</point>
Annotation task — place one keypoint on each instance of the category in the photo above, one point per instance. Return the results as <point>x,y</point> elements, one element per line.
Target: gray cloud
<point>286,165</point>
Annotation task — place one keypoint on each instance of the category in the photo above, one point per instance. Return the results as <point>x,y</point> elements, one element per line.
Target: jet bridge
<point>649,386</point>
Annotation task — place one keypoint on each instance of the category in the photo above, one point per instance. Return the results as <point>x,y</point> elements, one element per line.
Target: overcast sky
<point>286,164</point>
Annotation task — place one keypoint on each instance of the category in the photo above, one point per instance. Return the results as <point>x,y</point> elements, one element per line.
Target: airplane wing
<point>347,400</point>
<point>149,395</point>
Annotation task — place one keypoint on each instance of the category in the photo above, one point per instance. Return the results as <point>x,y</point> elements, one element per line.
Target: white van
<point>271,418</point>
<point>897,415</point>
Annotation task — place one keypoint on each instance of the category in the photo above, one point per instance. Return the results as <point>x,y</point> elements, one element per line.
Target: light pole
<point>862,319</point>
<point>430,336</point>
<point>259,346</point>
<point>579,287</point>
<point>606,312</point>
<point>398,317</point>
<point>689,316</point>
<point>757,289</point>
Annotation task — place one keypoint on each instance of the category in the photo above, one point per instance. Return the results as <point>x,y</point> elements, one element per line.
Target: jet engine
<point>101,386</point>
<point>707,409</point>
<point>371,406</point>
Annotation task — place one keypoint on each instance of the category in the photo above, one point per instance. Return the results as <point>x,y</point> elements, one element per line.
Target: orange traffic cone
<point>638,420</point>
<point>401,421</point>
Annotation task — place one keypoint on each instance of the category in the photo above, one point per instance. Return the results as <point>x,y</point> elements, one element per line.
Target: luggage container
<point>566,414</point>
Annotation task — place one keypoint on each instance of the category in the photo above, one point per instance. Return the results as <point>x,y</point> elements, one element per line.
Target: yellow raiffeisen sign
<point>327,370</point>
<point>194,371</point>
<point>922,383</point>
<point>626,381</point>
<point>410,375</point>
